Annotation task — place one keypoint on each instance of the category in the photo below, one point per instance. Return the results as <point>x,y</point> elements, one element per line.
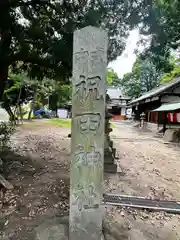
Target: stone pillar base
<point>58,228</point>
<point>110,168</point>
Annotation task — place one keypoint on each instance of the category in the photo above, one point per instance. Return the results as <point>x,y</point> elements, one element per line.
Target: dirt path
<point>149,164</point>
<point>41,179</point>
<point>151,169</point>
<point>40,174</point>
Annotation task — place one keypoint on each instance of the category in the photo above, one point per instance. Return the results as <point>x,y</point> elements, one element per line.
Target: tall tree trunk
<point>20,113</point>
<point>3,78</point>
<point>56,111</point>
<point>8,109</point>
<point>10,112</point>
<point>30,112</point>
<point>6,38</point>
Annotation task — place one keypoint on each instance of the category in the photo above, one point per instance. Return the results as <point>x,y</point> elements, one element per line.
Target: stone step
<point>109,160</point>
<point>110,168</point>
<point>114,151</point>
<point>111,143</point>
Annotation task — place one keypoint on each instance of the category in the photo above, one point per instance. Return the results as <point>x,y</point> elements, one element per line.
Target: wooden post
<point>164,122</point>
<point>149,114</point>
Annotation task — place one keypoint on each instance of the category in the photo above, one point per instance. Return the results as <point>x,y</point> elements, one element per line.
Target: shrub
<point>6,130</point>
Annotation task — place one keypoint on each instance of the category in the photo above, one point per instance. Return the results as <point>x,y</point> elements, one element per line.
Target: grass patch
<point>113,125</point>
<point>63,123</point>
<point>66,123</point>
<point>42,123</point>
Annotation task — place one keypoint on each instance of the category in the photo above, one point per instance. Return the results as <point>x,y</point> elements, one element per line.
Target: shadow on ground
<point>41,190</point>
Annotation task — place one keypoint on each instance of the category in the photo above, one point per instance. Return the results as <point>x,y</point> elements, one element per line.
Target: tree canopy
<point>16,92</point>
<point>112,78</point>
<point>37,35</point>
<point>174,73</point>
<point>155,65</point>
<point>162,25</point>
<point>60,96</point>
<point>143,78</point>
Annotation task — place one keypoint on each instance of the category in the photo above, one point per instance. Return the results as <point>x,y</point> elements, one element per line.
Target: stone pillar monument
<point>87,140</point>
<point>133,116</point>
<point>142,120</point>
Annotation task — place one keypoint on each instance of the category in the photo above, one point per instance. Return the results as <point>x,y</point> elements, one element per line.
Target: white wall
<point>123,111</point>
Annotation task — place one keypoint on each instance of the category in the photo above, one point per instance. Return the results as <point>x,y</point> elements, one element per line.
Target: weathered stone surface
<point>106,142</point>
<point>87,142</point>
<point>102,237</point>
<point>57,229</point>
<point>172,135</point>
<point>108,156</point>
<point>114,153</point>
<point>110,168</point>
<point>111,143</point>
<point>53,229</point>
<point>53,233</point>
<point>109,160</point>
<point>109,237</point>
<point>109,151</point>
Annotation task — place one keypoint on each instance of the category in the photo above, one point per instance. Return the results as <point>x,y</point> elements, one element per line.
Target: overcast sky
<point>123,64</point>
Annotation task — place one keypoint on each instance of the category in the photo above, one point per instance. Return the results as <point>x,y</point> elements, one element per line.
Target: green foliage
<point>167,77</point>
<point>21,89</point>
<point>112,78</point>
<point>63,123</point>
<point>22,114</point>
<point>143,78</point>
<point>131,85</point>
<point>60,96</point>
<point>17,91</point>
<point>161,23</point>
<point>42,89</point>
<point>6,130</point>
<point>37,36</point>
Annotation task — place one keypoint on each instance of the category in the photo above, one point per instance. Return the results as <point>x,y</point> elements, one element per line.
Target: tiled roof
<point>156,91</point>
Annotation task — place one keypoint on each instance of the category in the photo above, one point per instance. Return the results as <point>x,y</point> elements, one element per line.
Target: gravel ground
<point>151,169</point>
<point>40,175</point>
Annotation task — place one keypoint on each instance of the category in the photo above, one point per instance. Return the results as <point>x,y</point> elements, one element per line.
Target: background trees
<point>174,73</point>
<point>157,63</point>
<point>161,24</point>
<point>143,78</point>
<point>60,96</point>
<point>16,92</point>
<point>112,78</point>
<point>37,35</point>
